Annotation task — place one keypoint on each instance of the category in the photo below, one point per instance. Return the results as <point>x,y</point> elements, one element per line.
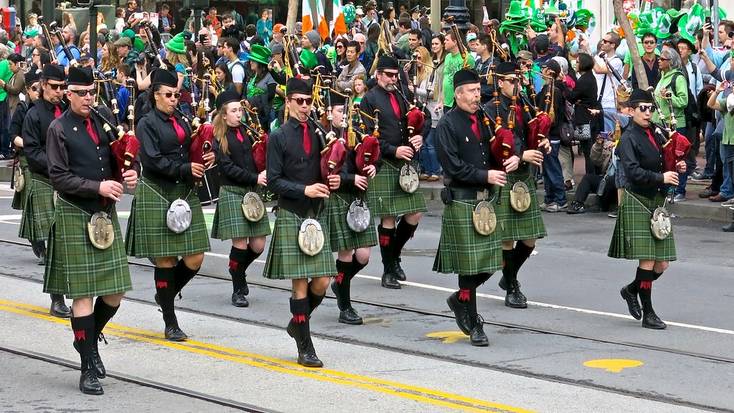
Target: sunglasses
<point>649,42</point>
<point>83,93</point>
<point>168,95</point>
<point>56,86</point>
<point>301,101</point>
<point>391,75</point>
<point>646,108</point>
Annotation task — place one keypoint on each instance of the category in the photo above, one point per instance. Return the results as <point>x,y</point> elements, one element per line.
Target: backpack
<point>693,118</point>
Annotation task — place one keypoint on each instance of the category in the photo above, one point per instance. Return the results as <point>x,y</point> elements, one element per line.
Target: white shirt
<point>608,99</point>
<point>695,81</point>
<point>237,70</point>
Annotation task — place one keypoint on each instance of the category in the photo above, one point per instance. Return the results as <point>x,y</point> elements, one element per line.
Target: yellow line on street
<point>406,391</point>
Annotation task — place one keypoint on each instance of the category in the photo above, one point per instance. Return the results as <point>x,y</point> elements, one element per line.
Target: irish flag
<point>340,24</point>
<point>313,16</point>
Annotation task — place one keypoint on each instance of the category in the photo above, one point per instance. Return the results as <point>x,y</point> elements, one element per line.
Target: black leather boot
<point>58,306</point>
<point>649,318</point>
<point>403,232</point>
<point>172,331</point>
<point>389,276</point>
<point>103,313</point>
<point>461,311</point>
<point>341,288</point>
<point>399,272</point>
<point>95,361</point>
<point>515,298</point>
<point>477,337</point>
<point>632,304</point>
<point>166,289</point>
<point>299,329</point>
<point>88,381</point>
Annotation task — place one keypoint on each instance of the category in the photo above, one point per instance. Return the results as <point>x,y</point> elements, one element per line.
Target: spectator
<point>600,184</point>
<point>649,61</point>
<point>425,93</point>
<point>236,68</point>
<point>555,190</point>
<point>724,102</point>
<point>265,26</point>
<point>586,110</point>
<point>353,68</point>
<point>312,41</point>
<point>606,82</point>
<point>165,23</point>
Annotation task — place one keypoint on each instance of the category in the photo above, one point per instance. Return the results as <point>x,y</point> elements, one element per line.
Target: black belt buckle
<point>446,196</point>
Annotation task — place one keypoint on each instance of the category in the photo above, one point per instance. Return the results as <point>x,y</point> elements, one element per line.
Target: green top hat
<point>260,54</point>
<point>515,11</point>
<point>30,33</point>
<point>552,9</point>
<point>176,44</point>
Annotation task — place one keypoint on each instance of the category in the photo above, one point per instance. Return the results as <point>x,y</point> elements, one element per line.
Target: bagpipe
<point>106,90</point>
<point>202,143</point>
<point>365,146</point>
<point>502,142</point>
<point>676,146</point>
<point>258,136</point>
<point>542,121</point>
<point>459,41</point>
<point>124,145</point>
<point>333,149</point>
<point>57,32</point>
<point>47,36</point>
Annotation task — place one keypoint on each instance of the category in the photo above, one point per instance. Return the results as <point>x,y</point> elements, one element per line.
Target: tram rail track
<point>473,363</point>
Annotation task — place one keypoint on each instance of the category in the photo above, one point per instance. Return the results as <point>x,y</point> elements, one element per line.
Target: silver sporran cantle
<point>310,237</point>
<point>484,218</point>
<point>253,207</point>
<point>178,218</point>
<point>660,224</point>
<point>101,231</point>
<point>358,216</point>
<point>18,180</point>
<point>520,197</point>
<point>409,181</point>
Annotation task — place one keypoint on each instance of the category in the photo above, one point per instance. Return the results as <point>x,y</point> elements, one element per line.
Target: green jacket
<point>5,75</point>
<point>453,62</point>
<point>679,100</point>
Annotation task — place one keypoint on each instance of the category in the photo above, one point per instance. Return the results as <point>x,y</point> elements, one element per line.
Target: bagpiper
<point>643,231</point>
<point>86,256</point>
<point>518,213</point>
<point>23,177</point>
<point>166,220</point>
<point>240,215</point>
<point>38,213</point>
<point>300,248</point>
<point>470,243</point>
<point>390,201</point>
<point>351,227</point>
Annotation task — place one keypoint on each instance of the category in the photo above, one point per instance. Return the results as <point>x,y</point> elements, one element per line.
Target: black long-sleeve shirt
<point>464,158</point>
<point>236,167</point>
<point>164,159</point>
<point>641,160</point>
<point>290,169</point>
<point>35,127</point>
<point>16,122</point>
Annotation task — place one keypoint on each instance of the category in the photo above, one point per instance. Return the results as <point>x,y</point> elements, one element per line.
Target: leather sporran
<point>310,237</point>
<point>660,224</point>
<point>178,218</point>
<point>409,180</point>
<point>484,218</point>
<point>101,231</point>
<point>253,207</point>
<point>520,197</point>
<point>358,216</point>
<point>18,180</point>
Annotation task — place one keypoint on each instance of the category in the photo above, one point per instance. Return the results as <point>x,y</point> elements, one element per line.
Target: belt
<point>465,194</point>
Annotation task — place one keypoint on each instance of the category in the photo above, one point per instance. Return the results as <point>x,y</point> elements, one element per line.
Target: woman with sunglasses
<point>239,176</point>
<point>168,179</point>
<point>640,154</point>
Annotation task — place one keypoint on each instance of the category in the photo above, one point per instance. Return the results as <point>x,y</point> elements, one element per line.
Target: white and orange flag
<point>340,24</point>
<point>313,17</point>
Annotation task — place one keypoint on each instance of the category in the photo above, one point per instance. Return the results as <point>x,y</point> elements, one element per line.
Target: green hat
<point>582,18</point>
<point>30,33</point>
<point>691,22</point>
<point>552,9</point>
<point>176,44</point>
<point>260,54</point>
<point>308,59</point>
<point>515,11</point>
<point>128,33</point>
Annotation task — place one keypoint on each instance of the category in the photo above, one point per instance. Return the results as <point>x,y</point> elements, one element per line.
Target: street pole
<point>715,21</point>
<point>93,31</point>
<point>436,15</point>
<point>460,13</point>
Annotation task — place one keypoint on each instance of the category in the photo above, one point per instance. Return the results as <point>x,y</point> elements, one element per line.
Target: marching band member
<point>166,220</point>
<point>32,92</point>
<point>352,247</point>
<point>38,213</point>
<point>521,221</point>
<point>82,263</point>
<point>240,179</point>
<point>387,198</point>
<point>641,156</point>
<point>294,173</point>
<point>471,248</point>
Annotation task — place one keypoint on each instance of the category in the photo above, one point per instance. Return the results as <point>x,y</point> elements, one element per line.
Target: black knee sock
<point>166,289</point>
<point>403,233</point>
<point>480,279</point>
<point>83,328</point>
<point>644,280</point>
<point>387,239</point>
<point>343,280</point>
<point>237,267</point>
<point>522,252</point>
<point>103,313</point>
<point>184,274</point>
<point>657,275</point>
<point>299,310</point>
<point>509,272</point>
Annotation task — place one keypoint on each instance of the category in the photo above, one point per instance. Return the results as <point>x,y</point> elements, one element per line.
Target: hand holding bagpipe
<point>258,137</point>
<point>125,147</point>
<point>333,153</point>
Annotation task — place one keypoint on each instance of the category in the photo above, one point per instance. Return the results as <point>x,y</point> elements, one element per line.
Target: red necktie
<point>306,139</point>
<point>239,135</point>
<point>57,111</point>
<point>652,139</point>
<point>90,130</point>
<point>395,104</point>
<point>180,133</point>
<point>475,126</point>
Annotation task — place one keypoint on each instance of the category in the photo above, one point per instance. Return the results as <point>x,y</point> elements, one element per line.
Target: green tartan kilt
<point>517,226</point>
<point>229,220</point>
<point>38,214</point>
<point>632,237</point>
<point>342,237</point>
<point>147,232</point>
<point>463,251</point>
<point>387,199</point>
<point>286,261</point>
<point>76,268</point>
<point>19,197</point>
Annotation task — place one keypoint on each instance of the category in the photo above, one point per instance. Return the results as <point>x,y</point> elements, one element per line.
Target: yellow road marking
<point>406,391</point>
<point>448,337</point>
<point>613,365</point>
